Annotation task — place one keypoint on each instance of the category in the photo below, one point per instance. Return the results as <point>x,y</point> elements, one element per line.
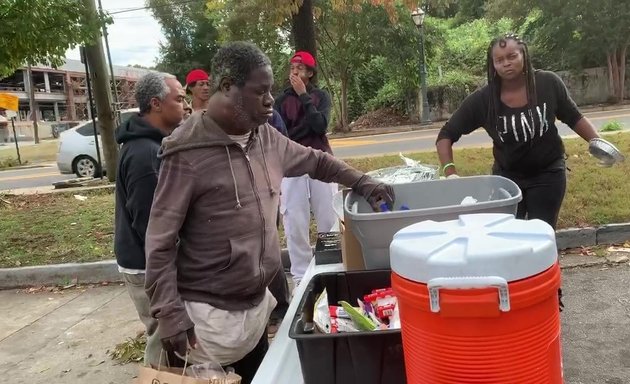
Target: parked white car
<point>77,150</point>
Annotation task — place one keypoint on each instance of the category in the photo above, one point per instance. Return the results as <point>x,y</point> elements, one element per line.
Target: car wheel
<point>85,166</point>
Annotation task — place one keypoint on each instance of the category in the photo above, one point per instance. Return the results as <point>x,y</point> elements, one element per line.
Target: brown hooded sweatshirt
<point>220,201</point>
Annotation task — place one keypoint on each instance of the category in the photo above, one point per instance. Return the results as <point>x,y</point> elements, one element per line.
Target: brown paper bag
<point>148,375</point>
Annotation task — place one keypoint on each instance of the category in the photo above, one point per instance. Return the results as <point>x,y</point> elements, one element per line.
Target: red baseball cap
<point>196,75</point>
<point>304,58</point>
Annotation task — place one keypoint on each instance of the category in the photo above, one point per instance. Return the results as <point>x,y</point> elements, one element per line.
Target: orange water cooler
<point>478,301</point>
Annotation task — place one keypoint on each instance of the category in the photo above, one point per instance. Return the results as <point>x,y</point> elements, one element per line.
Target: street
<point>424,140</point>
<point>31,177</point>
<point>362,146</point>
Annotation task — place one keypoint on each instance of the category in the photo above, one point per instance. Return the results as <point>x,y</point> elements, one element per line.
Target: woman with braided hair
<point>518,109</point>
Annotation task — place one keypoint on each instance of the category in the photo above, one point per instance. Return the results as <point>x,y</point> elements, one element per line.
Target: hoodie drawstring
<point>267,177</point>
<point>238,200</point>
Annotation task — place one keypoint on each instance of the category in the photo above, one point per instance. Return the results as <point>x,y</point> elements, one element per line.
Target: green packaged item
<point>362,322</point>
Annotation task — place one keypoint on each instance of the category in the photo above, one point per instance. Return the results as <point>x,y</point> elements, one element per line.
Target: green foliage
<point>235,24</point>
<point>611,126</point>
<point>40,31</point>
<point>456,60</point>
<point>191,37</point>
<point>369,50</point>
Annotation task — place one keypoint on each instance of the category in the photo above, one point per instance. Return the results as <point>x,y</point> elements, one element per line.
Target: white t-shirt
<point>241,140</point>
<point>225,337</point>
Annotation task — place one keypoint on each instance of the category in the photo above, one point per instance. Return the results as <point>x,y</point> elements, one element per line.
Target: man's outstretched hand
<point>382,193</point>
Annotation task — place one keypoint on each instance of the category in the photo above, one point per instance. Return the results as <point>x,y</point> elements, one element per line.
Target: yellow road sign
<point>8,101</point>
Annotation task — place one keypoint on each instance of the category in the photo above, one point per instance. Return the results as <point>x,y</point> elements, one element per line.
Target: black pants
<point>542,193</point>
<point>248,365</point>
<point>279,288</point>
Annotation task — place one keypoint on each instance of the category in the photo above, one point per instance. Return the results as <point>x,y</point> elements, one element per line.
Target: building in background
<point>61,94</point>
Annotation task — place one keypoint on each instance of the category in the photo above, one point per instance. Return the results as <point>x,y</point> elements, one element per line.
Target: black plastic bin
<point>346,358</point>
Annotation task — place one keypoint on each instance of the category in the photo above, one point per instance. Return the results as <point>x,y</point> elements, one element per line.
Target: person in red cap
<point>198,86</point>
<point>305,110</point>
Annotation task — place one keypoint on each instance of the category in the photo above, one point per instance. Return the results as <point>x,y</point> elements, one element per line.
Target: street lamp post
<point>418,19</point>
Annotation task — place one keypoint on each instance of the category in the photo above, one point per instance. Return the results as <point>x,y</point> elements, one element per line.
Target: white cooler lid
<point>484,244</point>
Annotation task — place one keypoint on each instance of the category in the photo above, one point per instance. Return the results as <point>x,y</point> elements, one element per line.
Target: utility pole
<point>102,93</point>
<point>32,104</point>
<point>99,172</point>
<point>111,70</point>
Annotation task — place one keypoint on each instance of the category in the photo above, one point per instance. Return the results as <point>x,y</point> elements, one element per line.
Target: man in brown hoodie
<point>218,194</point>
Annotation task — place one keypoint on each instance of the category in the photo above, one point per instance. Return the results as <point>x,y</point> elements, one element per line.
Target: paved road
<point>33,177</point>
<point>345,148</point>
<point>424,140</point>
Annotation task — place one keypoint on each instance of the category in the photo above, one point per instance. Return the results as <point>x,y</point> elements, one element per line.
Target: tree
<point>303,28</point>
<point>347,46</point>
<point>41,31</point>
<point>604,27</point>
<point>191,36</point>
<point>331,26</point>
<point>574,34</point>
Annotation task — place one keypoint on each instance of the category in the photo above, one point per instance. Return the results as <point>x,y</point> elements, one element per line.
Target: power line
<point>144,17</point>
<point>158,6</point>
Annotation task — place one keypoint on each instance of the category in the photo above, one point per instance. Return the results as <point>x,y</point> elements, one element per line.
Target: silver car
<point>77,150</point>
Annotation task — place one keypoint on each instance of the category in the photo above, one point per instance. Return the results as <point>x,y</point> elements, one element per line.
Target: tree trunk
<point>303,28</point>
<point>611,80</point>
<point>32,104</point>
<point>622,72</point>
<point>344,104</point>
<point>615,71</point>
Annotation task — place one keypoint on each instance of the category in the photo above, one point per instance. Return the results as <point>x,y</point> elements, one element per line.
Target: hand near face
<point>298,85</point>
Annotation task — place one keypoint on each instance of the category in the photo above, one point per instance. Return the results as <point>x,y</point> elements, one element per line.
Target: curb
<point>57,274</point>
<point>592,236</point>
<point>51,190</point>
<point>107,271</point>
<point>60,274</point>
<point>23,167</point>
<point>100,271</point>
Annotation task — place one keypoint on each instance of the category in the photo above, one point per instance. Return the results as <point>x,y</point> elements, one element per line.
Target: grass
<point>45,151</point>
<point>611,126</point>
<point>57,228</point>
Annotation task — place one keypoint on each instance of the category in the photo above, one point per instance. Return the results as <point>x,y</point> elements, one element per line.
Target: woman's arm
<point>586,129</point>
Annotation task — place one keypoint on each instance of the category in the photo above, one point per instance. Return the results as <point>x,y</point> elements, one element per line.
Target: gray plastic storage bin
<point>437,200</point>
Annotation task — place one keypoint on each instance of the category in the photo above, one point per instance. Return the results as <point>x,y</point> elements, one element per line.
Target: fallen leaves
<point>131,350</point>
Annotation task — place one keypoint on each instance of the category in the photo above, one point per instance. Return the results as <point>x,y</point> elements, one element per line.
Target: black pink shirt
<point>524,141</point>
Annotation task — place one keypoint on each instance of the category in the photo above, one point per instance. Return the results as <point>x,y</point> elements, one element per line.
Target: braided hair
<point>494,80</point>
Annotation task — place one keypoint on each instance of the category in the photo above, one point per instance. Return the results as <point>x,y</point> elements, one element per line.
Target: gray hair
<point>152,85</point>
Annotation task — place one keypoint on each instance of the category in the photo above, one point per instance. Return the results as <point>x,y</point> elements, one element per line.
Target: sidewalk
<point>64,337</point>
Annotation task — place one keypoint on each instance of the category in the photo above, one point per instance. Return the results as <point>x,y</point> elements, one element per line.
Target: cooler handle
<point>468,282</point>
